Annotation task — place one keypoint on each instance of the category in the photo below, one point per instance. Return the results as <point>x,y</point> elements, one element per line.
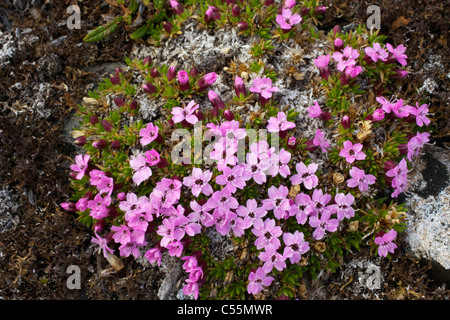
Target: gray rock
<point>168,286</point>
<point>427,235</point>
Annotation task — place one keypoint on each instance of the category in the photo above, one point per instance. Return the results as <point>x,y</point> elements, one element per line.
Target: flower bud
<point>193,73</point>
<point>239,87</point>
<point>154,73</point>
<point>118,72</point>
<point>378,115</point>
<point>242,25</point>
<point>304,11</point>
<point>214,112</point>
<point>99,225</point>
<point>69,206</point>
<point>121,196</point>
<point>320,10</point>
<point>399,74</point>
<point>94,120</point>
<point>115,80</point>
<point>147,61</point>
<point>324,115</point>
<point>235,11</point>
<point>346,122</point>
<point>310,145</point>
<point>338,44</point>
<point>215,100</point>
<point>268,2</point>
<point>100,144</point>
<point>212,13</point>
<point>149,88</point>
<point>228,115</point>
<point>119,102</point>
<point>183,80</point>
<point>115,144</point>
<point>292,143</point>
<point>336,30</point>
<point>162,163</point>
<point>107,125</point>
<point>171,73</point>
<point>176,7</point>
<point>80,141</point>
<point>133,105</point>
<point>199,115</point>
<point>207,80</point>
<point>167,26</point>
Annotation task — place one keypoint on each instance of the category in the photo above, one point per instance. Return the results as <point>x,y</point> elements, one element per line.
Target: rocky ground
<point>47,69</point>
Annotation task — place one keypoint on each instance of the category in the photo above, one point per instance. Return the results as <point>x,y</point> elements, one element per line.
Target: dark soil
<point>38,240</point>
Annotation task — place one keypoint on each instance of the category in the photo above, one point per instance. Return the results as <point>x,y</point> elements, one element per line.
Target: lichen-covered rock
<point>429,213</point>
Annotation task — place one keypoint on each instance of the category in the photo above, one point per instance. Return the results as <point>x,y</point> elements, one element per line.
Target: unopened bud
<point>119,102</point>
<point>99,225</point>
<point>80,141</point>
<point>171,73</point>
<point>176,7</point>
<point>149,88</point>
<point>94,120</point>
<point>235,11</point>
<point>324,115</point>
<point>199,115</point>
<point>292,143</point>
<point>133,105</point>
<point>154,73</point>
<point>69,206</point>
<point>215,100</point>
<point>167,26</point>
<point>228,115</point>
<point>338,44</point>
<point>115,144</point>
<point>115,80</point>
<point>239,87</point>
<point>118,72</point>
<point>346,122</point>
<point>107,125</point>
<point>320,10</point>
<point>242,25</point>
<point>100,144</point>
<point>183,80</point>
<point>147,61</point>
<point>207,80</point>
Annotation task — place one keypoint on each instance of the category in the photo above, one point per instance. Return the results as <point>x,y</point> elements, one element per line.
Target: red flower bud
<point>119,102</point>
<point>99,225</point>
<point>236,10</point>
<point>242,25</point>
<point>162,163</point>
<point>154,73</point>
<point>133,105</point>
<point>171,73</point>
<point>239,87</point>
<point>215,100</point>
<point>115,144</point>
<point>228,115</point>
<point>115,80</point>
<point>100,144</point>
<point>147,61</point>
<point>107,125</point>
<point>93,120</point>
<point>69,206</point>
<point>149,88</point>
<point>81,141</point>
<point>167,26</point>
<point>346,122</point>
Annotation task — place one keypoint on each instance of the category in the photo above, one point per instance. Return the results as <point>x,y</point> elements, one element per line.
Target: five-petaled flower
<point>352,152</point>
<point>186,113</point>
<point>385,244</point>
<point>263,86</point>
<point>286,19</point>
<point>346,58</point>
<point>360,179</point>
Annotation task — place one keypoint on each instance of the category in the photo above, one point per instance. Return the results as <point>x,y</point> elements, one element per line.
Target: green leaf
<point>139,33</point>
<point>103,31</point>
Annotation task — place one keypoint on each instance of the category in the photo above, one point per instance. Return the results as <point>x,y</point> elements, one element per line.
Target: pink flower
<point>263,87</point>
<point>222,200</point>
<point>251,212</point>
<point>319,203</point>
<point>278,202</point>
<point>319,140</point>
<point>306,175</point>
<point>152,157</point>
<point>400,110</point>
<point>399,175</point>
<point>99,206</point>
<point>237,224</point>
<point>183,80</point>
<point>302,207</point>
<point>352,152</point>
<point>185,113</point>
<point>322,62</point>
<point>102,245</point>
<point>360,179</point>
<point>148,134</point>
<point>286,20</point>
<point>200,213</point>
<point>81,165</point>
<point>315,110</point>
<point>96,176</point>
<point>385,243</point>
<point>171,188</point>
<point>166,231</point>
<point>376,52</point>
<point>141,171</point>
<point>154,255</point>
<point>105,185</point>
<point>295,246</point>
<point>255,168</point>
<point>322,224</point>
<point>343,207</point>
<point>122,234</point>
<point>176,7</point>
<point>212,13</point>
<point>280,123</point>
<point>133,204</point>
<point>346,58</point>
<point>421,114</point>
<point>175,248</point>
<point>385,104</point>
<point>272,258</point>
<point>232,178</point>
<point>378,115</point>
<point>398,53</point>
<point>416,143</point>
<point>198,182</point>
<point>267,232</point>
<point>280,164</point>
<point>257,280</point>
<point>191,288</point>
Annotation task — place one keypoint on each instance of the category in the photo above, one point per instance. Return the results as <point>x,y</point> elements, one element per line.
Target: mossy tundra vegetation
<point>247,143</point>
